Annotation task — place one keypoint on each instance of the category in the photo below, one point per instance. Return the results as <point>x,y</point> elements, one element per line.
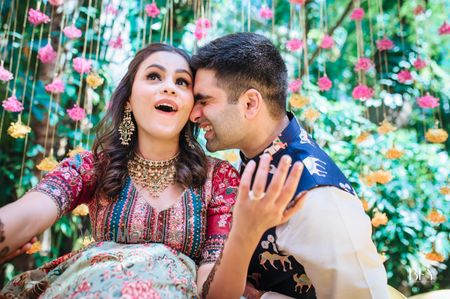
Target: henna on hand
<point>207,283</point>
<point>4,251</point>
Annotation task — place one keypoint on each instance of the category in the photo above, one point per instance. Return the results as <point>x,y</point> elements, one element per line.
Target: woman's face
<point>161,96</point>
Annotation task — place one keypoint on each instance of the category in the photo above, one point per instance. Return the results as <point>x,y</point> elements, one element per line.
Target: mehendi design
<point>4,250</point>
<point>207,283</point>
<point>2,231</point>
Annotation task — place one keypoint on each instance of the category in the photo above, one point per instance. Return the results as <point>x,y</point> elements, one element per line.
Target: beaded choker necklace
<point>153,176</point>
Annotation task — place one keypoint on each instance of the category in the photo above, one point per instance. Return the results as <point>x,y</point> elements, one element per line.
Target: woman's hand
<point>18,251</point>
<point>257,208</point>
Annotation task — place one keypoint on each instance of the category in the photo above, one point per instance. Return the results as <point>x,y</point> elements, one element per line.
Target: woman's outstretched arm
<point>23,219</point>
<point>251,218</point>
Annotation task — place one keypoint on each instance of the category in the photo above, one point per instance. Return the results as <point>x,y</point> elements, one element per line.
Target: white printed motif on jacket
<point>315,166</point>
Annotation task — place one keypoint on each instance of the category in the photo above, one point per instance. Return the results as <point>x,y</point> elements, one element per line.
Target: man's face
<point>221,121</point>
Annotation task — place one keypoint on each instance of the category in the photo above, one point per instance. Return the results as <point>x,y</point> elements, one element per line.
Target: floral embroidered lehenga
<point>139,252</point>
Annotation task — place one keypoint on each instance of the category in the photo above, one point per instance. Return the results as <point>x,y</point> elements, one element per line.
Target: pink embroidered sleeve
<point>71,183</point>
<point>225,183</point>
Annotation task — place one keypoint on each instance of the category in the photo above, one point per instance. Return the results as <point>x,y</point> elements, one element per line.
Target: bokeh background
<point>369,79</point>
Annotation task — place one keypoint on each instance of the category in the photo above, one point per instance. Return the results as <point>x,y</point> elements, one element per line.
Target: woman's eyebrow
<point>164,69</point>
<point>184,71</point>
<point>157,66</point>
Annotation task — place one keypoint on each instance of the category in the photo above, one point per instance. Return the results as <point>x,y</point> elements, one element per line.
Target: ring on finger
<point>253,196</point>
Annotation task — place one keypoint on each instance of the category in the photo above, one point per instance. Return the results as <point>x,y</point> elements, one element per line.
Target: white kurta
<point>331,237</point>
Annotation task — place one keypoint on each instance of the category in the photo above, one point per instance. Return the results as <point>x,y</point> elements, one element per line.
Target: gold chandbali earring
<point>126,127</point>
<point>153,176</point>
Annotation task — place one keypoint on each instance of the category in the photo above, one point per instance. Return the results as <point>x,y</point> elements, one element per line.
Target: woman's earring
<point>189,140</point>
<point>126,127</point>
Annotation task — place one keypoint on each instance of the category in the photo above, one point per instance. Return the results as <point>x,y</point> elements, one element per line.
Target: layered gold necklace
<point>153,176</point>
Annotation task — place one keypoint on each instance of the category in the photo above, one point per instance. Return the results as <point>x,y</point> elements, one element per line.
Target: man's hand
<point>19,251</point>
<point>251,292</point>
<point>257,208</point>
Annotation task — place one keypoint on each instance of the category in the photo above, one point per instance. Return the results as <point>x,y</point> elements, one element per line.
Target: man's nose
<point>196,113</point>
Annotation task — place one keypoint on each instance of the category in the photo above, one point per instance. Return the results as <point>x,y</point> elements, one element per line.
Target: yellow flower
<point>81,210</point>
<point>379,176</point>
<point>75,151</point>
<point>435,256</point>
<point>379,219</point>
<point>436,217</point>
<point>436,135</point>
<point>47,164</point>
<point>385,127</point>
<point>368,180</point>
<point>393,153</point>
<point>363,137</point>
<point>311,114</point>
<point>445,190</point>
<point>35,247</point>
<point>382,176</point>
<point>18,130</point>
<point>298,101</point>
<point>94,80</point>
<point>365,204</point>
<point>231,156</point>
<point>87,240</point>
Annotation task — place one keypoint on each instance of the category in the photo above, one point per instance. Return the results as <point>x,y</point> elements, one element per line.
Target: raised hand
<point>257,208</point>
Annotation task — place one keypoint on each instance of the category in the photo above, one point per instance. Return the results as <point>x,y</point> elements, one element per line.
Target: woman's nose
<point>168,90</point>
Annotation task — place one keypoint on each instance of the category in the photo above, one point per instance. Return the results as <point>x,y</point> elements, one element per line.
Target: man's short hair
<point>246,60</point>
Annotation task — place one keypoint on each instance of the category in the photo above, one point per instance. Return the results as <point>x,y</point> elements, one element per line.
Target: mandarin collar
<point>287,136</point>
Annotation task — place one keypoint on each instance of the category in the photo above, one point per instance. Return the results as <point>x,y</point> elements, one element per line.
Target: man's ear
<point>253,102</point>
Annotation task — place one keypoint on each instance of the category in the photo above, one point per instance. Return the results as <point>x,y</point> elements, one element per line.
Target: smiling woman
<point>146,174</point>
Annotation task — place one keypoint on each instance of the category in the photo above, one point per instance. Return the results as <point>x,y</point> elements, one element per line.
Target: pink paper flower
<point>294,86</point>
<point>404,76</point>
<point>72,32</point>
<point>301,2</point>
<point>116,43</point>
<point>57,86</point>
<point>428,101</point>
<point>363,64</point>
<point>357,14</point>
<point>152,10</point>
<point>47,54</point>
<point>203,23</point>
<point>327,42</point>
<point>324,83</point>
<point>12,104</point>
<point>81,65</point>
<point>419,64</point>
<point>5,75</point>
<point>111,9</point>
<point>76,113</point>
<point>36,17</point>
<point>384,44</point>
<point>419,10</point>
<point>444,29</point>
<point>200,33</point>
<point>294,44</point>
<point>265,13</point>
<point>362,92</point>
<point>56,2</point>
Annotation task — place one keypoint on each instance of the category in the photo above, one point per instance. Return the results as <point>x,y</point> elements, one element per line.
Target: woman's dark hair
<point>111,157</point>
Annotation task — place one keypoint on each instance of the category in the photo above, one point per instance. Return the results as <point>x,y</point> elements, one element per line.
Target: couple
<point>147,176</point>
